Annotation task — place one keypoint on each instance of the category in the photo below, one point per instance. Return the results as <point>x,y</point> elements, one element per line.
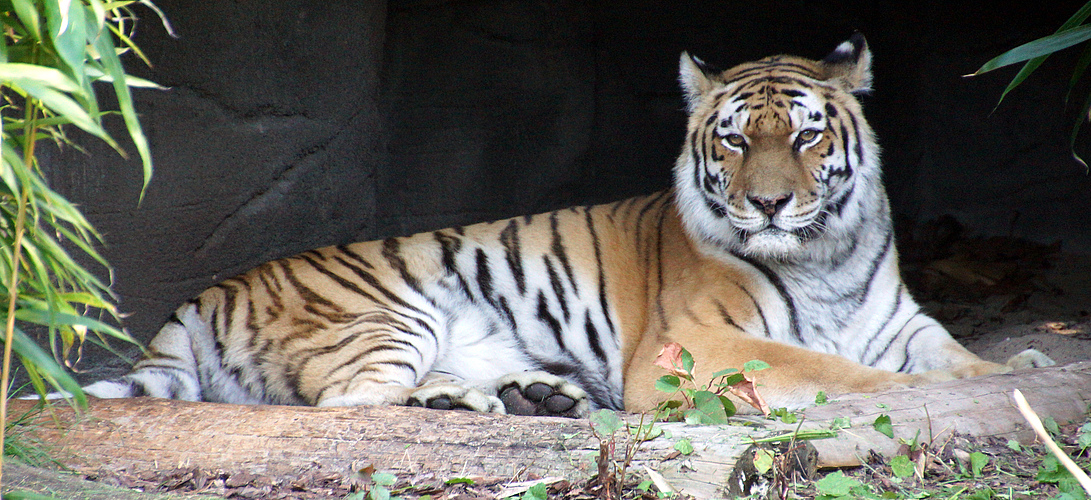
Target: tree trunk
<point>138,435</point>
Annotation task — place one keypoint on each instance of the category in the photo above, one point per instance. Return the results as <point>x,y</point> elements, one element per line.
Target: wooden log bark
<point>136,435</point>
<point>977,407</point>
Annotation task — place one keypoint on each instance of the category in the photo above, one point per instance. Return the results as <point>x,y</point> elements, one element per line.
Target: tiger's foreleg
<point>794,378</point>
<point>932,351</point>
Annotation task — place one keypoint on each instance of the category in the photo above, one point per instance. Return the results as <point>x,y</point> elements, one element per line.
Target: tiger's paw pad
<point>1030,358</point>
<point>541,393</point>
<point>454,397</point>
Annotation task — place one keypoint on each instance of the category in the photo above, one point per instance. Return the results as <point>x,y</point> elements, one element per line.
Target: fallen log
<point>143,434</point>
<point>974,407</point>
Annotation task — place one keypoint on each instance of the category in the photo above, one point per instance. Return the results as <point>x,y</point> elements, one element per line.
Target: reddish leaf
<point>748,392</point>
<point>670,359</point>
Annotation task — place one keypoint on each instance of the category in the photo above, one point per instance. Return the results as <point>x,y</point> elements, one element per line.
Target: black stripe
<point>373,282</point>
<point>727,316</point>
<point>597,246</point>
<point>484,275</point>
<point>831,111</point>
<point>660,310</point>
<point>551,321</point>
<point>509,238</point>
<point>858,147</point>
<point>906,366</point>
<point>859,292</point>
<point>392,253</point>
<point>449,247</point>
<point>505,310</point>
<point>773,278</point>
<point>558,249</point>
<point>845,142</point>
<point>765,67</point>
<point>593,340</point>
<point>889,340</point>
<point>558,288</point>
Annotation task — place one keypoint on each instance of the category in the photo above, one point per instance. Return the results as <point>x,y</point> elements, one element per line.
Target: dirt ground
<point>998,296</point>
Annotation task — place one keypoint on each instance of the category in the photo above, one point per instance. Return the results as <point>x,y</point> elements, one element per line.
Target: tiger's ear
<point>696,79</point>
<point>849,65</point>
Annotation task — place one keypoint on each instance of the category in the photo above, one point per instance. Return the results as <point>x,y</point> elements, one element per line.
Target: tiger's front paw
<point>541,393</point>
<point>454,397</point>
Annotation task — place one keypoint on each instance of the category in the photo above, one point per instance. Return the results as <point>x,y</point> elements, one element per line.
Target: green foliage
<point>606,422</point>
<point>1072,32</point>
<point>684,446</point>
<point>838,486</point>
<point>884,426</point>
<point>840,423</point>
<point>902,467</point>
<point>763,460</point>
<point>1051,471</point>
<point>1083,437</point>
<point>784,415</point>
<point>52,54</point>
<point>1014,445</point>
<point>700,405</point>
<point>536,492</point>
<point>978,461</point>
<point>1051,425</point>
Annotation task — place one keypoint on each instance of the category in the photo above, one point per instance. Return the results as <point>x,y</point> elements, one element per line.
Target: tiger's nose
<point>770,205</point>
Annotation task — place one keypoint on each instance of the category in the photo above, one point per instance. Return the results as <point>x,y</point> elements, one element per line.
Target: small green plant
<point>903,467</point>
<point>611,474</point>
<point>537,492</point>
<point>883,425</point>
<point>838,486</point>
<point>1051,471</point>
<point>978,461</point>
<point>375,485</point>
<point>1083,437</point>
<point>707,404</point>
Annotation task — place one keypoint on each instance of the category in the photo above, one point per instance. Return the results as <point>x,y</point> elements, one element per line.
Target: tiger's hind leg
<point>384,366</point>
<point>444,393</point>
<point>534,393</point>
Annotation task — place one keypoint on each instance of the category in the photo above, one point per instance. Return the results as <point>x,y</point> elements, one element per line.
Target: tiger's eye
<point>735,140</point>
<point>807,135</point>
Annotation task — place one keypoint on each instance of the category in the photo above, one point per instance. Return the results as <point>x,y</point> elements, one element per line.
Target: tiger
<point>775,243</point>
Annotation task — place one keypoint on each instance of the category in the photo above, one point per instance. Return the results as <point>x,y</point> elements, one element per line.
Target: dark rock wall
<point>291,125</point>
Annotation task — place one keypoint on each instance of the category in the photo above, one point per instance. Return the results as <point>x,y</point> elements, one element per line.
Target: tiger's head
<point>779,162</point>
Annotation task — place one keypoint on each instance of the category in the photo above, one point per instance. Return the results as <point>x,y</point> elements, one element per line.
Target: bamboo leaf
<point>50,77</point>
<point>67,28</point>
<point>1083,115</point>
<point>112,65</point>
<point>98,16</point>
<point>43,317</point>
<point>11,164</point>
<point>1023,73</point>
<point>1077,72</point>
<point>132,81</point>
<point>1078,18</point>
<point>28,15</point>
<point>48,368</point>
<point>64,106</point>
<point>1040,47</point>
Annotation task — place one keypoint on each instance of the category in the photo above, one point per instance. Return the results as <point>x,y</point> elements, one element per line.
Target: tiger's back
<point>775,243</point>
